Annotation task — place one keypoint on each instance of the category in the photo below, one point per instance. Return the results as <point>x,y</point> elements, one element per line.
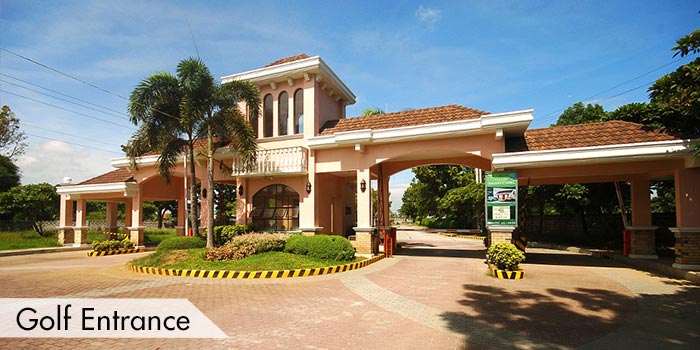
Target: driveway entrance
<point>434,294</point>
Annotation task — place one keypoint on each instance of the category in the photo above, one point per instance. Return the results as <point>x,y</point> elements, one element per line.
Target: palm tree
<point>176,111</point>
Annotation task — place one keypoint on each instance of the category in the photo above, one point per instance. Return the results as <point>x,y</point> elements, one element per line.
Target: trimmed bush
<point>182,242</point>
<point>321,247</point>
<point>224,234</point>
<point>246,245</point>
<point>113,244</point>
<point>505,256</point>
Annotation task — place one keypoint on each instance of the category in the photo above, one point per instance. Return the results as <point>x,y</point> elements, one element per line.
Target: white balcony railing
<point>278,161</point>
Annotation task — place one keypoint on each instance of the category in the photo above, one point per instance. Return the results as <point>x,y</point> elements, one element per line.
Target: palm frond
<point>170,154</point>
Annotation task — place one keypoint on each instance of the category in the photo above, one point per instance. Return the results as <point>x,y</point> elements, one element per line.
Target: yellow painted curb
<point>507,275</point>
<point>255,274</point>
<point>456,235</point>
<point>114,252</point>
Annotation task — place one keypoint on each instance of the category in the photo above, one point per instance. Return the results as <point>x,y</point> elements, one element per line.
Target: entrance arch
<point>276,208</point>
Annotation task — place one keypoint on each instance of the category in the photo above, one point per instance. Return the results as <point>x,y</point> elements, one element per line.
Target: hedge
<point>182,242</point>
<point>321,247</point>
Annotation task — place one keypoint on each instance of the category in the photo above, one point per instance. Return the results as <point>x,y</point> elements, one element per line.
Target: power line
<point>67,110</point>
<point>75,144</point>
<point>67,134</point>
<point>81,80</point>
<point>64,100</point>
<point>548,116</point>
<point>62,94</point>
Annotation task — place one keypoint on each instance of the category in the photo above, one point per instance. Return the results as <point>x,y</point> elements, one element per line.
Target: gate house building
<point>315,166</point>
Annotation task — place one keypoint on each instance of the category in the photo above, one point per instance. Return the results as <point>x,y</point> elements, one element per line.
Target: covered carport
<point>616,151</point>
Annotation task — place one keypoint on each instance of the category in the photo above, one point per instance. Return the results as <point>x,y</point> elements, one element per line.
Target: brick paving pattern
<point>435,294</point>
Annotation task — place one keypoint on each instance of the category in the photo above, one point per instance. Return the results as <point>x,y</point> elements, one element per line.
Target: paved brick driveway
<point>436,294</point>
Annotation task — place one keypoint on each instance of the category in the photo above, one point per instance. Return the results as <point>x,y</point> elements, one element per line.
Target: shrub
<point>112,244</point>
<point>182,242</point>
<point>224,234</point>
<point>505,256</point>
<point>246,245</point>
<point>321,247</point>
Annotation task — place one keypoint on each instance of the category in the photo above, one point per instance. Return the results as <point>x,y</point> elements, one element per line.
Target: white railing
<point>278,161</point>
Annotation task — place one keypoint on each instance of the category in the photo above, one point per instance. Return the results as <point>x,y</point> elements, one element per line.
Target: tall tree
<point>9,174</point>
<point>580,114</point>
<point>176,111</point>
<point>12,138</point>
<point>34,203</point>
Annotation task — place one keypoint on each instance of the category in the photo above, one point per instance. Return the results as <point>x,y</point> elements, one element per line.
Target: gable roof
<point>400,119</point>
<point>114,176</point>
<point>613,132</point>
<point>287,60</point>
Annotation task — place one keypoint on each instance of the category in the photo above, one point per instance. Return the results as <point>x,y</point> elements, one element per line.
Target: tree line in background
<point>447,195</point>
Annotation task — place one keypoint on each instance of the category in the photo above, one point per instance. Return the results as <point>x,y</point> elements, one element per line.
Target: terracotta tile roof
<point>405,118</point>
<point>614,132</point>
<point>115,176</point>
<point>287,60</point>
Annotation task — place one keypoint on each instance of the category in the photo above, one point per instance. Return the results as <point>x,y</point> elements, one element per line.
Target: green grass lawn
<point>193,259</point>
<point>30,239</point>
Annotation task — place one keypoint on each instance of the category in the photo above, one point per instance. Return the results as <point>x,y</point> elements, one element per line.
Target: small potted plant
<point>504,259</point>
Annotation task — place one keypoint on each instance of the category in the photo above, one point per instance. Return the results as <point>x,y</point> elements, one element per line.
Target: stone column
<point>687,232</point>
<point>364,238</point>
<point>65,221</point>
<point>136,228</point>
<point>80,228</point>
<point>111,217</point>
<point>501,234</point>
<point>642,233</point>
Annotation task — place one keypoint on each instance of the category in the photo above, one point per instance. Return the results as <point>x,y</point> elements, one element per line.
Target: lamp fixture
<point>363,185</point>
<point>240,190</point>
<point>308,187</point>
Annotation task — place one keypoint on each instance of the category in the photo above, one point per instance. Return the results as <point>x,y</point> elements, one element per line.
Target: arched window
<point>267,116</point>
<point>276,208</point>
<point>299,111</point>
<point>283,113</point>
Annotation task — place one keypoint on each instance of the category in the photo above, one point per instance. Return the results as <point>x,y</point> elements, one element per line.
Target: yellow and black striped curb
<point>457,235</point>
<point>115,252</point>
<point>229,274</point>
<point>508,275</point>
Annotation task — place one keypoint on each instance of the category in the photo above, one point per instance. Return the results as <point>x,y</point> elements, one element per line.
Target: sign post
<point>501,199</point>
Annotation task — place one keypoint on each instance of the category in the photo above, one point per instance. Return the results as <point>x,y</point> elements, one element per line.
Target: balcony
<point>275,162</point>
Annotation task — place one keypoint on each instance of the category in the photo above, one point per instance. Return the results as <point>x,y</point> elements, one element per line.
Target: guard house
<point>315,166</point>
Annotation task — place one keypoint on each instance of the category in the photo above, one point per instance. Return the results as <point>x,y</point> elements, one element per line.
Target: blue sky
<point>496,56</point>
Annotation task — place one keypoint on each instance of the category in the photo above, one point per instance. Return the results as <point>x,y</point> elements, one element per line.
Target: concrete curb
<point>230,274</point>
<point>46,250</point>
<point>457,235</point>
<point>93,253</point>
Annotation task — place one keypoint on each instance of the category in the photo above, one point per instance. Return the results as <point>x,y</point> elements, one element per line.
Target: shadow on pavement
<point>568,259</point>
<point>419,249</point>
<point>558,318</point>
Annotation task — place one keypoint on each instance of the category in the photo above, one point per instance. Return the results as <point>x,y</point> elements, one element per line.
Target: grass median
<point>193,259</point>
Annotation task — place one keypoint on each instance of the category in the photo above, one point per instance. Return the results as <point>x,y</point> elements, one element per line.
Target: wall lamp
<point>363,185</point>
<point>240,190</point>
<point>308,187</point>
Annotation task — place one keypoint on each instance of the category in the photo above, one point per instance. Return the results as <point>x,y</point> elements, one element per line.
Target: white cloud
<point>395,195</point>
<point>51,161</point>
<point>428,15</point>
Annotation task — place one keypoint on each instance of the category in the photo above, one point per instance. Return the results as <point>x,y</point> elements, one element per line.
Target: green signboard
<point>501,199</point>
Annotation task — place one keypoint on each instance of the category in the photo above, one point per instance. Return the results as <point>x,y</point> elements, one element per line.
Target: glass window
<point>299,111</point>
<point>276,209</point>
<point>283,113</point>
<point>267,116</point>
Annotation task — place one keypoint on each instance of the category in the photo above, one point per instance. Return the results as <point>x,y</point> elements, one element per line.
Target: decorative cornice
<point>129,189</point>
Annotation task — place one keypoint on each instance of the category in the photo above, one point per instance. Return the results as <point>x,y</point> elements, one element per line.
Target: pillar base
<point>365,241</point>
<point>179,230</point>
<point>310,231</point>
<point>65,235</point>
<point>642,242</point>
<point>687,247</point>
<point>136,235</point>
<point>501,234</point>
<point>80,235</point>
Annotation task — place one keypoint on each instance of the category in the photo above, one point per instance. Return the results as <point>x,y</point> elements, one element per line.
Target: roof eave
<point>595,154</point>
<point>510,123</point>
<point>129,189</point>
<point>294,69</point>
